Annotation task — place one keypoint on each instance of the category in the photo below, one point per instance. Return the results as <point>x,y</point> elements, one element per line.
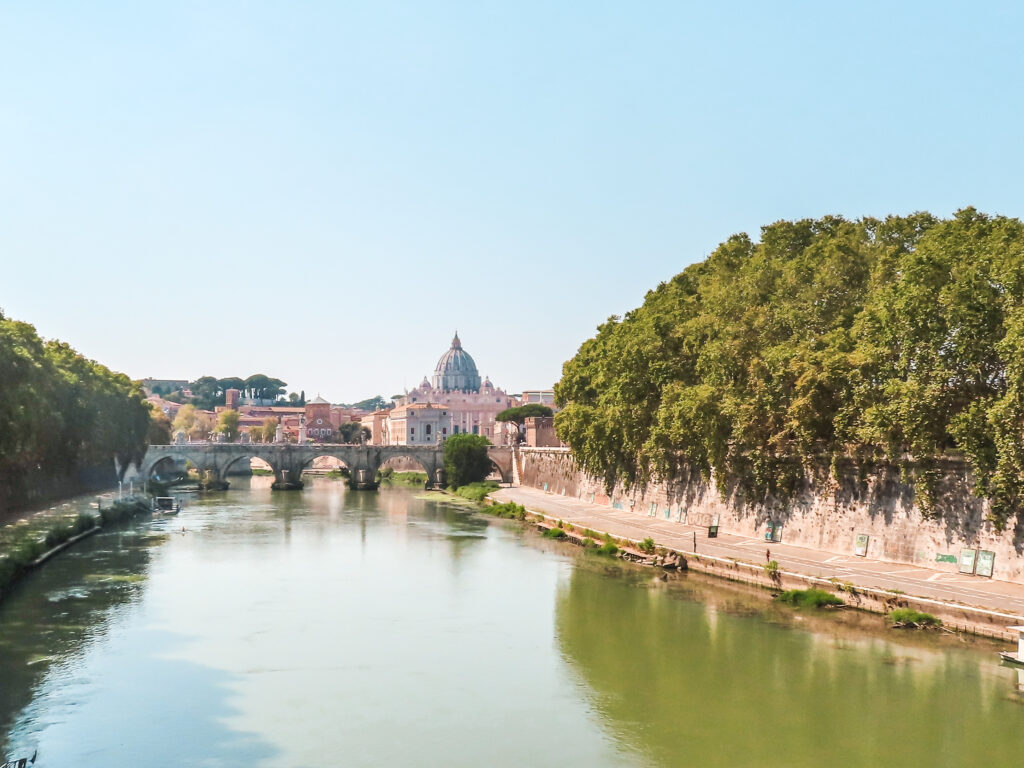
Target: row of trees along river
<point>62,416</point>
<point>897,340</point>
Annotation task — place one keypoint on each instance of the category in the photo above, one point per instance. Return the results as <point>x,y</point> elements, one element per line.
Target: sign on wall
<point>861,547</point>
<point>986,563</point>
<point>967,560</point>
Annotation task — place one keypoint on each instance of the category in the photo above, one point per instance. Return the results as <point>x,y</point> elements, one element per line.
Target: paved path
<point>913,580</point>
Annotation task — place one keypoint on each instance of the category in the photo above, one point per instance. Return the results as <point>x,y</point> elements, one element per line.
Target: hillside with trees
<point>61,413</point>
<point>873,341</point>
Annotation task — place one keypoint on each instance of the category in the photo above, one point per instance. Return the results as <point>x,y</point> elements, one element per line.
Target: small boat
<point>1015,657</point>
<point>166,505</point>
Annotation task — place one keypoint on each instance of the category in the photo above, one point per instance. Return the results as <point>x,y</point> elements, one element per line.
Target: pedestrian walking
<point>767,555</point>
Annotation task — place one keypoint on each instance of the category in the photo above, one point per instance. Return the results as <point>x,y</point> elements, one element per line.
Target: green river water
<point>335,628</point>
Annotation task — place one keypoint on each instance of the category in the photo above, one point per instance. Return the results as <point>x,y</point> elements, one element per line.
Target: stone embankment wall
<point>827,517</point>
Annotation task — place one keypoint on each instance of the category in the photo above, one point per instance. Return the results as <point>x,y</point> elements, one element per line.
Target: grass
<point>908,617</point>
<point>509,510</point>
<point>646,546</point>
<point>810,598</point>
<point>554,533</point>
<point>608,548</point>
<point>20,554</point>
<point>414,479</point>
<point>338,474</point>
<point>771,569</point>
<point>476,491</point>
<point>260,472</point>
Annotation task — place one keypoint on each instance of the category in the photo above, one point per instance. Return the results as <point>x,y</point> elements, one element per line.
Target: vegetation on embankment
<point>412,479</point>
<point>908,617</point>
<point>809,598</point>
<point>878,341</point>
<point>476,491</point>
<point>61,415</point>
<point>22,553</point>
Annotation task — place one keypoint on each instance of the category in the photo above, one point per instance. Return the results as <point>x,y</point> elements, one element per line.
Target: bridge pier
<point>363,479</point>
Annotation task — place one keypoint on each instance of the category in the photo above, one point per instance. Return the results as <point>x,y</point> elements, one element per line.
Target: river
<point>335,628</point>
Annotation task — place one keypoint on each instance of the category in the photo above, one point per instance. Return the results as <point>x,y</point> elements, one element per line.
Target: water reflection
<point>690,674</point>
<point>328,628</point>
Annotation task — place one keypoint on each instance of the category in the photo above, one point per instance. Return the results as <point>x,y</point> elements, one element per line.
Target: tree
<point>185,419</point>
<point>352,432</point>
<point>465,459</point>
<point>268,431</point>
<point>159,431</point>
<point>227,424</point>
<point>520,414</point>
<point>892,341</point>
<point>193,422</point>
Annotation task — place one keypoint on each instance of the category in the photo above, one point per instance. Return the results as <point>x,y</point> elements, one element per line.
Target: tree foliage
<point>465,459</point>
<point>227,424</point>
<point>898,340</point>
<point>60,411</point>
<point>523,412</point>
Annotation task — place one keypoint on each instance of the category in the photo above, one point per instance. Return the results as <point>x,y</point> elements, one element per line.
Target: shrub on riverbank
<point>554,533</point>
<point>810,598</point>
<point>123,510</point>
<point>415,479</point>
<point>908,617</point>
<point>509,510</point>
<point>608,548</point>
<point>477,491</point>
<point>646,546</point>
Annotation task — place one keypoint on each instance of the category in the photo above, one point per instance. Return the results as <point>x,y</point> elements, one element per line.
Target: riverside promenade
<point>912,580</point>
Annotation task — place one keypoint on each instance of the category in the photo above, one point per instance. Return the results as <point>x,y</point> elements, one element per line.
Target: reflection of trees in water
<point>54,612</point>
<point>742,691</point>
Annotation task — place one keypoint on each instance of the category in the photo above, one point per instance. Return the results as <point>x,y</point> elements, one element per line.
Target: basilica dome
<point>456,370</point>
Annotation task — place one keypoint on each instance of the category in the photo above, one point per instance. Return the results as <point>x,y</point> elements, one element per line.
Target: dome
<point>456,370</point>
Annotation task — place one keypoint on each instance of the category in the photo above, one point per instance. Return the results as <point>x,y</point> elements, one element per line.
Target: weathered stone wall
<point>36,488</point>
<point>826,516</point>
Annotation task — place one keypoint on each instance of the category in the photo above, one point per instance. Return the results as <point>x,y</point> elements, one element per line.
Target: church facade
<point>455,400</point>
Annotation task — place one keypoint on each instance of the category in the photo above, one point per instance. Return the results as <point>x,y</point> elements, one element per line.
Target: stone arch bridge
<point>289,460</point>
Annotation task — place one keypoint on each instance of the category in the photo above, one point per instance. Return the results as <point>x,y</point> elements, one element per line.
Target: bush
<point>554,533</point>
<point>417,479</point>
<point>509,510</point>
<point>771,568</point>
<point>476,491</point>
<point>810,598</point>
<point>646,546</point>
<point>120,511</point>
<point>608,548</point>
<point>908,617</point>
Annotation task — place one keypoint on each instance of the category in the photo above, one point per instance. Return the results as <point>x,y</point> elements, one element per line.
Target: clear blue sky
<point>323,192</point>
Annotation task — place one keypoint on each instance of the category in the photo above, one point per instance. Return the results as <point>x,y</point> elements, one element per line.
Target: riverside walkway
<point>987,594</point>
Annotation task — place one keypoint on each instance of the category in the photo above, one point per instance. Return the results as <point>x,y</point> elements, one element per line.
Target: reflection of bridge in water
<point>288,461</point>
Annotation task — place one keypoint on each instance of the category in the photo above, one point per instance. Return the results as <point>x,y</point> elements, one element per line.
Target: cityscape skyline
<point>324,194</point>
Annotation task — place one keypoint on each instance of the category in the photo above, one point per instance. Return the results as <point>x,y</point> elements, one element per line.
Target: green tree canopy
<point>465,459</point>
<point>60,411</point>
<point>227,424</point>
<point>898,340</point>
<point>521,413</point>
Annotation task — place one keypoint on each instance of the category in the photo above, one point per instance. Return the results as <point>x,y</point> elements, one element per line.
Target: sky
<point>325,191</point>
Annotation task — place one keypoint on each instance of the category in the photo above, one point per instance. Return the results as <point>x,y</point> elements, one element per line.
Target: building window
<point>455,429</point>
<point>427,430</point>
<point>476,430</point>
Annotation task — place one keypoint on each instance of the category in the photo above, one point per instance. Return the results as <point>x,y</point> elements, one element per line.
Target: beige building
<point>456,400</point>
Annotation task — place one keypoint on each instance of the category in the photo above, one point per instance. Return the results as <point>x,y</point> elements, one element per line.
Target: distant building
<point>538,396</point>
<point>459,402</point>
<point>540,432</point>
